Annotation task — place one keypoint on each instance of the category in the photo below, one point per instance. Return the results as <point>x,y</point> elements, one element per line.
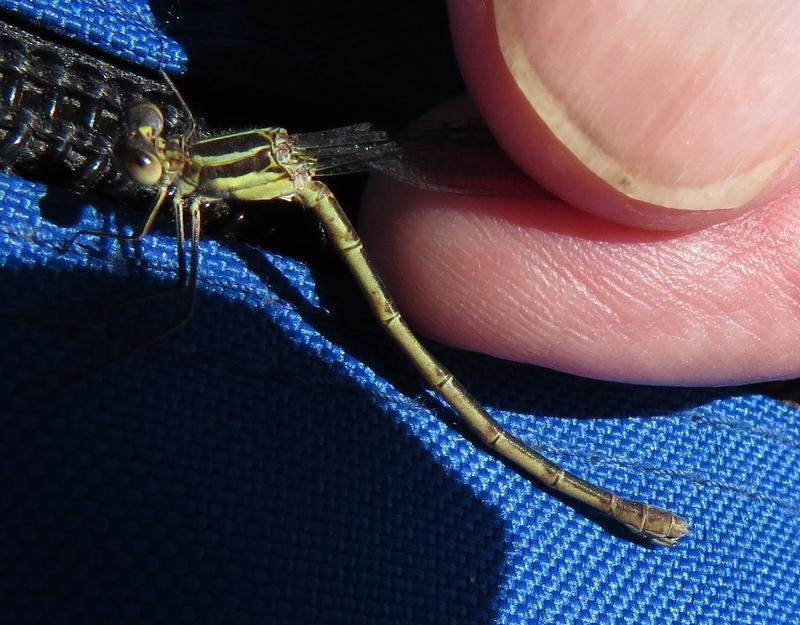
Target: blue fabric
<point>276,460</point>
<point>125,28</point>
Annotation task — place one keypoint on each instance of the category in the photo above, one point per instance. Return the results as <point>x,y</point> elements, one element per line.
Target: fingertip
<point>580,102</point>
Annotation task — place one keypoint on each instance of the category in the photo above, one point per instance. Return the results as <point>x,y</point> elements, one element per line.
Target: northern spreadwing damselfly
<point>136,137</point>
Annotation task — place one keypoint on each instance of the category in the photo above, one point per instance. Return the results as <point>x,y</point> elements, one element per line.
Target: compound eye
<point>143,167</point>
<point>147,119</point>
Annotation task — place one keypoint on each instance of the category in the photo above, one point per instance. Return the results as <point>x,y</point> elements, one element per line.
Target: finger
<point>662,115</point>
<point>538,281</point>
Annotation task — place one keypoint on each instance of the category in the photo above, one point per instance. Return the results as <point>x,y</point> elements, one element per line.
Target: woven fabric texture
<point>275,460</point>
<point>125,28</point>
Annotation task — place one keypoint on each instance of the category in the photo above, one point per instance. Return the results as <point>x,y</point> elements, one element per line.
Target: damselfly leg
<point>144,127</point>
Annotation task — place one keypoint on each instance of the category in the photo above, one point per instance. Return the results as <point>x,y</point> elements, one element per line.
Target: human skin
<point>681,270</point>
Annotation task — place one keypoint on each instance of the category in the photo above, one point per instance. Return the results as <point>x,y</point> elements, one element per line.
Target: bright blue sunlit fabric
<point>277,461</point>
<point>125,28</point>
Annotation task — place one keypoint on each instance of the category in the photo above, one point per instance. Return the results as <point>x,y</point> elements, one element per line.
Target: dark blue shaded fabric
<point>276,459</point>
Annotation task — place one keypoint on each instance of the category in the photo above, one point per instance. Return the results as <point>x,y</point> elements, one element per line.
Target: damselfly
<point>141,128</point>
<point>194,173</point>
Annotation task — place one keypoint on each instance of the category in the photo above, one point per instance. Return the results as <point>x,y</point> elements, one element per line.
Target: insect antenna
<point>189,134</point>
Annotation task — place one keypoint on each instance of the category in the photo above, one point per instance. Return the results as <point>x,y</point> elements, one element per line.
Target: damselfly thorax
<point>253,165</point>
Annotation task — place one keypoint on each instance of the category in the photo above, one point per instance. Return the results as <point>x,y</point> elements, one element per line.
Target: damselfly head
<point>141,155</point>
